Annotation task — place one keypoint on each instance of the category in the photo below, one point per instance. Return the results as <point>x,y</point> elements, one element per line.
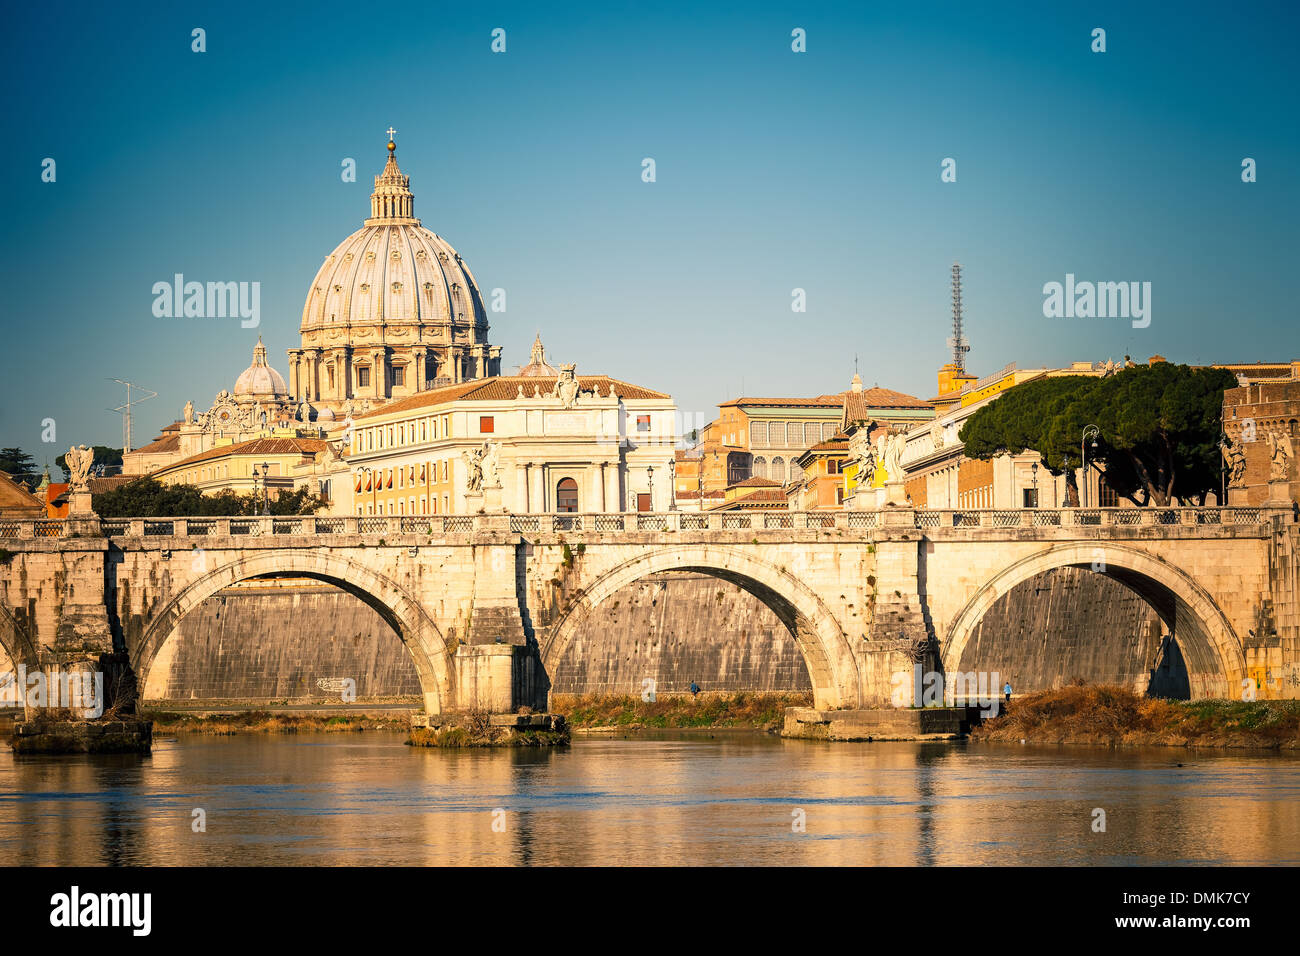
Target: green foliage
<point>1159,428</point>
<point>18,465</point>
<point>103,456</point>
<point>146,497</point>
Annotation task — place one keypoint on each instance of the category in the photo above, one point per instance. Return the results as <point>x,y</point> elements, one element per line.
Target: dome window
<point>442,257</point>
<point>348,257</point>
<point>370,256</point>
<point>397,255</point>
<point>397,287</point>
<point>338,288</point>
<point>365,287</point>
<point>420,255</point>
<point>428,287</point>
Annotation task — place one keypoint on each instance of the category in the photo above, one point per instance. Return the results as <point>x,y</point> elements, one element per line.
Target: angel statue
<point>1280,453</point>
<point>79,460</point>
<point>474,465</point>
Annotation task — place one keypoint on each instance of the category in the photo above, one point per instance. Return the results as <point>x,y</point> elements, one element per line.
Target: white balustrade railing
<point>927,519</point>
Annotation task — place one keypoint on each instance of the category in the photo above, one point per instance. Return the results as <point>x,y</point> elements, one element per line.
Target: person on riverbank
<point>695,689</point>
<point>1006,691</point>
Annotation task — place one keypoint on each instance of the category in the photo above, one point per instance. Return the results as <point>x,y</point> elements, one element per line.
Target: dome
<point>260,382</point>
<point>393,274</point>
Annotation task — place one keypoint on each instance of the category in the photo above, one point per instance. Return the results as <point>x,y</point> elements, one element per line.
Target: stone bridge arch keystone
<point>398,608</point>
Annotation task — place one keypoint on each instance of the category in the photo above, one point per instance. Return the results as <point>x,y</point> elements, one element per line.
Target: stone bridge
<point>863,593</point>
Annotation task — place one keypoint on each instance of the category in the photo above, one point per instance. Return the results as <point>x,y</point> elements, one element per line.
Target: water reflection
<point>332,800</point>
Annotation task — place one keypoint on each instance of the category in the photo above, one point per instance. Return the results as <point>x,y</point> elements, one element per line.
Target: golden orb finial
<point>391,146</point>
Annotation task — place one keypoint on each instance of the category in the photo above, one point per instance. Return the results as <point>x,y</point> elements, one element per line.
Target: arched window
<point>760,467</point>
<point>566,495</point>
<point>778,469</point>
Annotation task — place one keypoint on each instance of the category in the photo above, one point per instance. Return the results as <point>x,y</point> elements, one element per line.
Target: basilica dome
<point>260,382</point>
<point>393,309</point>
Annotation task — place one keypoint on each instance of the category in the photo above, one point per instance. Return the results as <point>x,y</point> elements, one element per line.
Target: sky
<point>775,170</point>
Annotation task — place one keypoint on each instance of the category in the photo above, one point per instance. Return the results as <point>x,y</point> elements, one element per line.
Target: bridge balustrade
<point>629,522</point>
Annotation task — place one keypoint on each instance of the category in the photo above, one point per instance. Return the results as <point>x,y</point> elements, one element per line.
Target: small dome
<point>537,367</point>
<point>260,382</point>
<point>325,415</point>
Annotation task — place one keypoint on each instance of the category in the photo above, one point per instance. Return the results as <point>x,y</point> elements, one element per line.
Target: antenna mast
<point>958,340</point>
<point>125,410</point>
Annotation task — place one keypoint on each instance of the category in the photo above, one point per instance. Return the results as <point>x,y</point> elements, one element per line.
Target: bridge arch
<point>1213,652</point>
<point>395,605</point>
<point>826,650</point>
<point>16,641</point>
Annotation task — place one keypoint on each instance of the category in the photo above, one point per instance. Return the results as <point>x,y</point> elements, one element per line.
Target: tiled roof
<point>100,485</point>
<point>258,446</point>
<point>16,499</point>
<point>164,443</point>
<point>870,397</point>
<point>757,482</point>
<point>506,387</point>
<point>758,498</point>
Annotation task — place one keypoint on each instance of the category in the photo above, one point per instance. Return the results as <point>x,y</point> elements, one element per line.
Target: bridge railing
<point>631,522</point>
<point>1086,517</point>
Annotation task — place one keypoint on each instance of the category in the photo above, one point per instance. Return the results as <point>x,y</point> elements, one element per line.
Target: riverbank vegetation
<point>266,722</point>
<point>1104,715</point>
<point>710,710</point>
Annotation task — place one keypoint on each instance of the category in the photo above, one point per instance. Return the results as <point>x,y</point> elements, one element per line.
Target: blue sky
<point>775,171</point>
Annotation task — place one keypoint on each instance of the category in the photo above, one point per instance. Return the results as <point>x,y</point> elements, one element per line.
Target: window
<point>566,495</point>
<point>486,424</point>
<point>760,467</point>
<point>1030,497</point>
<point>757,435</point>
<point>828,431</point>
<point>834,466</point>
<point>839,496</point>
<point>444,469</point>
<point>399,375</point>
<point>642,502</point>
<point>363,378</point>
<point>643,423</point>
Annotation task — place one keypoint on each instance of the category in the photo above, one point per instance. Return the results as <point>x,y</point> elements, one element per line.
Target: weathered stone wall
<point>1070,623</point>
<point>281,639</point>
<point>1274,648</point>
<point>678,627</point>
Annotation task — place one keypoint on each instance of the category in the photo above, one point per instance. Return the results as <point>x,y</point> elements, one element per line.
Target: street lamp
<point>1033,469</point>
<point>266,492</point>
<point>1090,431</point>
<point>672,483</point>
<point>650,476</point>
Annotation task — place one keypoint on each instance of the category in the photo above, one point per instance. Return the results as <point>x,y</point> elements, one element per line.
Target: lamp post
<point>672,484</point>
<point>1090,431</point>
<point>1034,471</point>
<point>1223,460</point>
<point>650,478</point>
<point>266,491</point>
<point>257,475</point>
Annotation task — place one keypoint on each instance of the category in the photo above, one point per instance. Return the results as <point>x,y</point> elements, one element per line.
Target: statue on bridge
<point>1234,458</point>
<point>482,465</point>
<point>1280,452</point>
<point>79,460</point>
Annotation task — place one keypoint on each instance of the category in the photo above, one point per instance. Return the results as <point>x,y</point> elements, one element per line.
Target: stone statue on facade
<point>189,413</point>
<point>567,387</point>
<point>79,460</point>
<point>1280,454</point>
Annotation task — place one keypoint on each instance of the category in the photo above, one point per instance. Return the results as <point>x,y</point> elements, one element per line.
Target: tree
<point>147,497</point>
<point>104,457</point>
<point>1159,429</point>
<point>1046,415</point>
<point>18,465</point>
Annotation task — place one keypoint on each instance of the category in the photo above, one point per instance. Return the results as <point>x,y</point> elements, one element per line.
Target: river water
<point>366,798</point>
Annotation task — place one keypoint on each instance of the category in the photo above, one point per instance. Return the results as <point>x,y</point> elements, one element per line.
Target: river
<point>367,799</point>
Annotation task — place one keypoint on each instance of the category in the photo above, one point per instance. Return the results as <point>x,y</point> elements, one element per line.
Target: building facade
<point>523,443</point>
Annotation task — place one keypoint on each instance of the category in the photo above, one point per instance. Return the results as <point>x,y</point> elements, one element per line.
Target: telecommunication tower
<point>958,339</point>
<point>125,410</point>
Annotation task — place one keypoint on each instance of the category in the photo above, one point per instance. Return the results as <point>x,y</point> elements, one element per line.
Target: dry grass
<point>1100,714</point>
<point>265,722</point>
<point>760,711</point>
